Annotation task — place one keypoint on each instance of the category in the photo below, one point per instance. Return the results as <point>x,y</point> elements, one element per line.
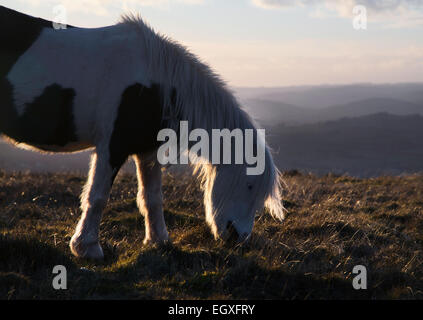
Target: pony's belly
<point>72,147</point>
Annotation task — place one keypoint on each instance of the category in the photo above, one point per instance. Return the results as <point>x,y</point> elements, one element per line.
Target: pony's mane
<point>193,92</point>
<point>202,97</point>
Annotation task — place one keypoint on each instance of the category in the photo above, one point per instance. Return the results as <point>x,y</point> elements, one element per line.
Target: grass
<point>333,224</point>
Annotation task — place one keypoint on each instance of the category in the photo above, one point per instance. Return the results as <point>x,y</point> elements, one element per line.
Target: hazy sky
<point>274,42</point>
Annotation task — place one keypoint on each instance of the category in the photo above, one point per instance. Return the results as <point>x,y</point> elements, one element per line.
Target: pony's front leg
<point>85,241</point>
<point>150,198</point>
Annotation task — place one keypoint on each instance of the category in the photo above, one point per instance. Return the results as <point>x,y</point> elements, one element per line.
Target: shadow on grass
<point>170,272</point>
<point>177,273</point>
<point>26,266</point>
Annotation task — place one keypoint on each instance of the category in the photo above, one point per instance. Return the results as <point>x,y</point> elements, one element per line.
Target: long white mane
<point>205,101</point>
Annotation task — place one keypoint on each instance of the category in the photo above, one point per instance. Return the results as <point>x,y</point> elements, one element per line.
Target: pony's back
<point>15,25</point>
<point>17,33</point>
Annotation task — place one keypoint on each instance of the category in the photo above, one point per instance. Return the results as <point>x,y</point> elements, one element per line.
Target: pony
<point>112,89</point>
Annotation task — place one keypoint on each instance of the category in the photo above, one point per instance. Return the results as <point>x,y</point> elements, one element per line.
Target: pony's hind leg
<point>150,198</point>
<point>85,241</point>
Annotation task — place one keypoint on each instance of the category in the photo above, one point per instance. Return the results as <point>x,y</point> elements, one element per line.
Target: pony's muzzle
<point>233,236</point>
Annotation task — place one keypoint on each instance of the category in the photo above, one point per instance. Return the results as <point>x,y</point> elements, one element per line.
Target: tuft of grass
<point>334,223</point>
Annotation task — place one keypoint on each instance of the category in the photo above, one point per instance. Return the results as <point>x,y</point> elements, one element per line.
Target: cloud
<point>397,13</point>
<point>311,61</point>
<point>276,4</point>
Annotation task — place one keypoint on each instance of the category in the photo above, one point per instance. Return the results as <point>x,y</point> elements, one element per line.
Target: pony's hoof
<point>155,242</point>
<point>87,250</point>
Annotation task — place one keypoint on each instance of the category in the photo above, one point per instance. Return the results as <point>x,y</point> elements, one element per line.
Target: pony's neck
<point>192,90</point>
<point>209,106</point>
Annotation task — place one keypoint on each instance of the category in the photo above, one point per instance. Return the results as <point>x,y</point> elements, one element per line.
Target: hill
<point>334,223</point>
<point>363,146</point>
<point>366,146</point>
<point>16,159</point>
<point>269,112</point>
<point>320,97</point>
<point>371,106</point>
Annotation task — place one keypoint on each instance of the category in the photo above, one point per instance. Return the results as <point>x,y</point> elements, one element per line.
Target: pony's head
<point>232,198</point>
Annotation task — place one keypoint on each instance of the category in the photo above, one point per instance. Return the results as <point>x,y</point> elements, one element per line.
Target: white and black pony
<point>114,89</point>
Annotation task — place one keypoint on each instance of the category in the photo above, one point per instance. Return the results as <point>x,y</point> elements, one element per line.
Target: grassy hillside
<point>334,223</point>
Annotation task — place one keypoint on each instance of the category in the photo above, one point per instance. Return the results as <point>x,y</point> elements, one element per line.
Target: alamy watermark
<point>360,17</point>
<point>360,280</point>
<point>198,147</point>
<point>60,17</point>
<point>60,281</point>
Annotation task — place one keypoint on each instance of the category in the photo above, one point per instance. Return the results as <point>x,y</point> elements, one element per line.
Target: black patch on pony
<point>18,32</point>
<point>47,121</point>
<point>137,124</point>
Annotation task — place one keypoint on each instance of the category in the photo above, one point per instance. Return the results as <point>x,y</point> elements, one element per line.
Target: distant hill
<point>365,146</point>
<point>15,159</point>
<point>271,112</point>
<point>320,97</point>
<point>368,107</point>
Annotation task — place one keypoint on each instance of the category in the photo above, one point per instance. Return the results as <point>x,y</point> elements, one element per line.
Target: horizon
<point>331,85</point>
<point>273,43</point>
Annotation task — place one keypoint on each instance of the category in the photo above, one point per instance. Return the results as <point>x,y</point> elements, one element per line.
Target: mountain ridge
<point>271,112</point>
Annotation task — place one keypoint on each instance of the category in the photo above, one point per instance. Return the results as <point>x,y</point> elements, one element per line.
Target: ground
<point>333,224</point>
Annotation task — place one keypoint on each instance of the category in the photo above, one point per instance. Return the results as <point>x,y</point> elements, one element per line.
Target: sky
<point>270,43</point>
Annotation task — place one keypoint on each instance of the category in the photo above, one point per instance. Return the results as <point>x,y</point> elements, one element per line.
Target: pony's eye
<point>249,186</point>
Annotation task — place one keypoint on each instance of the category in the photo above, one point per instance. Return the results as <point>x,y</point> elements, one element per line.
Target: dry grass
<point>334,223</point>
